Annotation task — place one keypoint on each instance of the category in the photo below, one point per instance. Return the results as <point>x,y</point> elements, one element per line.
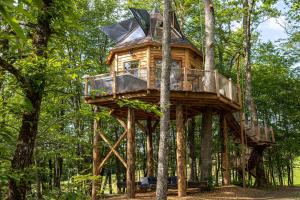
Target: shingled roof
<point>145,27</point>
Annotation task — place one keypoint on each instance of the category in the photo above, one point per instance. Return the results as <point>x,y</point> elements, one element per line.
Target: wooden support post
<point>114,86</point>
<point>96,157</point>
<point>217,82</point>
<point>150,162</point>
<point>130,173</point>
<point>180,154</point>
<point>224,150</point>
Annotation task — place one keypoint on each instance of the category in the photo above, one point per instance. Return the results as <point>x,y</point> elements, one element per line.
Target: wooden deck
<point>189,87</point>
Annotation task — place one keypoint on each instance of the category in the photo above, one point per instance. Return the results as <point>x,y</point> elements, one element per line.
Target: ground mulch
<point>226,192</point>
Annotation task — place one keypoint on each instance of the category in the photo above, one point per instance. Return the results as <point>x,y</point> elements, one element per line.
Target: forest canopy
<point>48,46</point>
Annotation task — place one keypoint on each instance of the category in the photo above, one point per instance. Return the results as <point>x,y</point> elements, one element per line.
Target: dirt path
<point>229,192</point>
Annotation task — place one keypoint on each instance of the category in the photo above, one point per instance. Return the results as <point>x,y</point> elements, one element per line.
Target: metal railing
<point>181,79</point>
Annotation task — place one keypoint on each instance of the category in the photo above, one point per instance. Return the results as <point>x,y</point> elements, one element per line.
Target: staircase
<point>256,140</point>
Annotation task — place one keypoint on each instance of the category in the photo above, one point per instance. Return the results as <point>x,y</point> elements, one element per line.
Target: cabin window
<point>133,67</point>
<point>130,66</point>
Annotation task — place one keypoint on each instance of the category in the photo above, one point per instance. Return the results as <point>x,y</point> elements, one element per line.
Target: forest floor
<point>228,192</point>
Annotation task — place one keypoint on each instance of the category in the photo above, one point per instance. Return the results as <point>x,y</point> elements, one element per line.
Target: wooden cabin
<point>135,67</point>
<point>135,73</point>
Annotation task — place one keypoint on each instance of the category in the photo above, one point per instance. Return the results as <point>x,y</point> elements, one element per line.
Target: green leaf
<point>13,22</point>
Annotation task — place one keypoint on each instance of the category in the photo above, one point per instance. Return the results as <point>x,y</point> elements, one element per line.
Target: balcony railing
<point>144,78</point>
<point>258,133</point>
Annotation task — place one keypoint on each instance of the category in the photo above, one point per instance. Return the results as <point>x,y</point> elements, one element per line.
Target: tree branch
<point>24,83</point>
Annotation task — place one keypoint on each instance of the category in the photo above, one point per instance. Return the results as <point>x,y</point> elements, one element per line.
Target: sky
<point>272,29</point>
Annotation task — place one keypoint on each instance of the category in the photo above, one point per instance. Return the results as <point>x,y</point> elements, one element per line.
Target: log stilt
<point>224,150</point>
<point>180,154</point>
<point>150,162</point>
<point>130,173</point>
<point>96,157</point>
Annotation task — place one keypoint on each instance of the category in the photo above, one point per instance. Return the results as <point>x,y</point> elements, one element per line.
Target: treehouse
<point>135,74</point>
<point>135,68</point>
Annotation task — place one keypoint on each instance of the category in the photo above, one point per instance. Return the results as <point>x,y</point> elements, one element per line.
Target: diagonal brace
<point>112,150</point>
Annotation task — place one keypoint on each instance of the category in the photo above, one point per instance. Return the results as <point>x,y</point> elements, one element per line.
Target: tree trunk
<point>247,6</point>
<point>58,163</point>
<point>180,153</point>
<point>50,174</point>
<point>206,147</point>
<point>224,151</point>
<point>261,180</point>
<point>206,141</point>
<point>25,145</point>
<point>209,45</point>
<point>22,158</point>
<point>162,170</point>
<point>96,156</point>
<point>192,154</point>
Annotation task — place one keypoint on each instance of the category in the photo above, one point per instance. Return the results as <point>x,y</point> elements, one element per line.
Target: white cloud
<point>275,24</point>
<point>273,29</point>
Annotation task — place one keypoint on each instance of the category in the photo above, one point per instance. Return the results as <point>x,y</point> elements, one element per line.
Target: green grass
<point>297,173</point>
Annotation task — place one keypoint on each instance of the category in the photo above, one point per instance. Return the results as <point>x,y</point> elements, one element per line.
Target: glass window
<point>128,66</point>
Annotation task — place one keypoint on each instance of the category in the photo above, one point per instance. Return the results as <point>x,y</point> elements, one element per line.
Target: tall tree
<point>162,170</point>
<point>33,86</point>
<point>248,7</point>
<point>206,142</point>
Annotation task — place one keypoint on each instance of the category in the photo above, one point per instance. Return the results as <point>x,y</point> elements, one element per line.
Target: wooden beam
<point>150,161</point>
<point>123,124</point>
<point>130,173</point>
<point>224,150</point>
<point>112,148</point>
<point>154,126</point>
<point>141,126</point>
<point>180,153</point>
<point>111,151</point>
<point>148,67</point>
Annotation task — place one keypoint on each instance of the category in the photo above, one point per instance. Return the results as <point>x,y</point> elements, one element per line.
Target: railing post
<point>217,82</point>
<point>114,86</point>
<point>148,68</point>
<point>185,79</point>
<point>230,89</point>
<point>257,130</point>
<point>86,86</point>
<point>93,85</point>
<point>266,132</point>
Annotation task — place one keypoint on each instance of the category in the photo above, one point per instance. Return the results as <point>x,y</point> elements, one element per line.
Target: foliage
<point>137,104</point>
<point>78,47</point>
